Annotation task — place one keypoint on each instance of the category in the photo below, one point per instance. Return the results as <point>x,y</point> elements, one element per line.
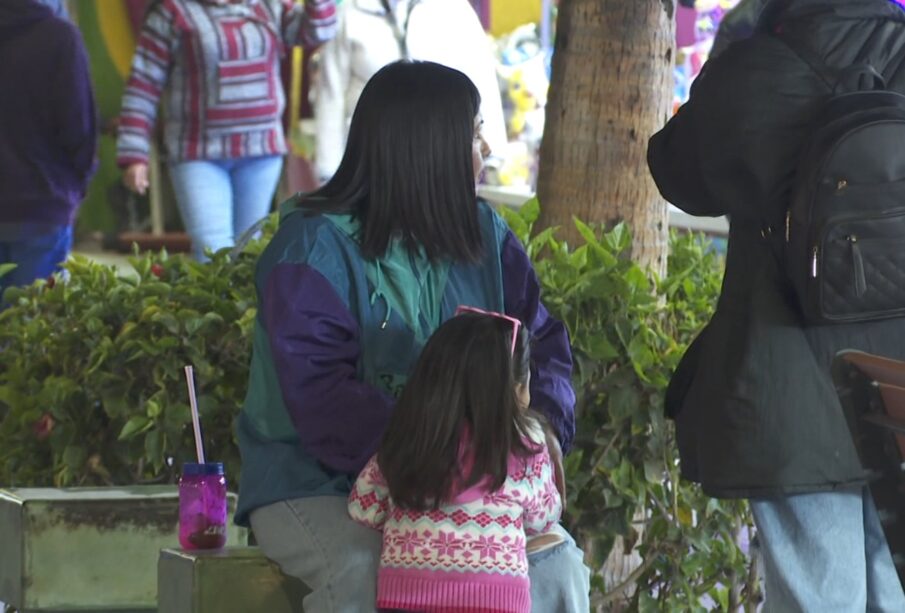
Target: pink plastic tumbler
<point>202,506</point>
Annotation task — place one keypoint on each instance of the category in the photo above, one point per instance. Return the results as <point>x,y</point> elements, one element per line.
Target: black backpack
<point>844,236</point>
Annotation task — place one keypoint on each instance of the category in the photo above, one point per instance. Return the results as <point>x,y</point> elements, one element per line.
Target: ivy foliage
<point>92,392</point>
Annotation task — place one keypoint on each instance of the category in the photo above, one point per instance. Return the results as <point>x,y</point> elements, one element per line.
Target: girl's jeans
<point>315,540</point>
<point>220,199</point>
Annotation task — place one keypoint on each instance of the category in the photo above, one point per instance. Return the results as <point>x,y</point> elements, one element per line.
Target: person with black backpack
<point>796,132</point>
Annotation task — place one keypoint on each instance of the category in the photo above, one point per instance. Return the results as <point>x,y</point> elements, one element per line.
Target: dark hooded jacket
<point>755,406</point>
<point>47,116</point>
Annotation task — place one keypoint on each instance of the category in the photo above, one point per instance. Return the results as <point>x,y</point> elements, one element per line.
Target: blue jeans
<point>36,256</point>
<point>220,199</point>
<point>315,540</point>
<point>826,552</point>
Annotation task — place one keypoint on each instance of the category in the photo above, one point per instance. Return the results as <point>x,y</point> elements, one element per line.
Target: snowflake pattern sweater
<point>469,555</point>
<point>219,65</point>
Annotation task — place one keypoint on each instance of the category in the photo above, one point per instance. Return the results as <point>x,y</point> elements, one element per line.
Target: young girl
<point>462,476</point>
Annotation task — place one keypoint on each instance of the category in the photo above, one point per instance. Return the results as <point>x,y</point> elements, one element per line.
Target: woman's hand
<point>559,473</point>
<point>136,178</point>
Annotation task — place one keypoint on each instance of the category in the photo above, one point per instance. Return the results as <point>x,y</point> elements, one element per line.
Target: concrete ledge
<point>231,580</point>
<point>87,549</point>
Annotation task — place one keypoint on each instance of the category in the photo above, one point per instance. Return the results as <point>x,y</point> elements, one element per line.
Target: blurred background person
<point>373,33</point>
<point>218,61</point>
<point>48,136</point>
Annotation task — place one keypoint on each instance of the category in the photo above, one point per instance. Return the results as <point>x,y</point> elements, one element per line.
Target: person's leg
<point>315,540</point>
<point>560,580</point>
<point>884,590</point>
<point>35,257</point>
<point>813,550</point>
<point>204,196</point>
<point>254,182</point>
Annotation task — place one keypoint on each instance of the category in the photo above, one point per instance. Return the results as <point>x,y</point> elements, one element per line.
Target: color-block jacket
<point>219,65</point>
<point>332,348</point>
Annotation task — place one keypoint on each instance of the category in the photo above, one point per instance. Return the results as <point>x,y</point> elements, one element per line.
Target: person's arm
<point>543,506</point>
<point>314,344</point>
<point>733,147</point>
<point>675,160</point>
<point>75,111</point>
<point>310,25</point>
<point>330,112</point>
<point>370,497</point>
<point>551,355</point>
<point>150,70</point>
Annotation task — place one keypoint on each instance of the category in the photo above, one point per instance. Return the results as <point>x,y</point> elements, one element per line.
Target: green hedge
<point>92,380</point>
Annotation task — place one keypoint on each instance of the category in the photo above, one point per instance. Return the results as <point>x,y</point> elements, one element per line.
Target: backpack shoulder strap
<point>810,57</point>
<point>857,77</point>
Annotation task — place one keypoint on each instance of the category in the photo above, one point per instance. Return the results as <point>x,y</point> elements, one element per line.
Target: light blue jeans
<point>315,540</point>
<point>826,552</point>
<point>220,199</point>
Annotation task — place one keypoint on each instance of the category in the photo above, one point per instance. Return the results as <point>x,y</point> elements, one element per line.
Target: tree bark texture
<point>611,88</point>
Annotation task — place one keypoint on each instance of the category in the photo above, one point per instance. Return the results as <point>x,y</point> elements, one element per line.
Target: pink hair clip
<point>516,324</point>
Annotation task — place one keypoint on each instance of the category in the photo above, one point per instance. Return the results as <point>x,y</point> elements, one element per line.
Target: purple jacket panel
<point>314,342</point>
<point>551,354</point>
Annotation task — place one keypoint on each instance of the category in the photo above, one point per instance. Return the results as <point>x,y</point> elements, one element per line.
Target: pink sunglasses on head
<point>516,324</point>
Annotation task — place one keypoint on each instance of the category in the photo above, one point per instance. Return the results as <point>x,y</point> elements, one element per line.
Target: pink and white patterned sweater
<point>469,555</point>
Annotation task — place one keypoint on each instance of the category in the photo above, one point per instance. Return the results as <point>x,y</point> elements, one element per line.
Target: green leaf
<point>530,211</point>
<point>516,223</point>
<point>135,426</point>
<point>647,603</point>
<point>653,470</point>
<point>7,268</point>
<point>586,232</point>
<point>154,448</point>
<point>600,348</point>
<point>74,458</point>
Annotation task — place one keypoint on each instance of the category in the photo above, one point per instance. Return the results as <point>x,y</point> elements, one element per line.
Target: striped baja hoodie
<point>217,64</point>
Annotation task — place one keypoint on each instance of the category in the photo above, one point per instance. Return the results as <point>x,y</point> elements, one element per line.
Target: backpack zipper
<point>857,265</point>
<point>815,251</point>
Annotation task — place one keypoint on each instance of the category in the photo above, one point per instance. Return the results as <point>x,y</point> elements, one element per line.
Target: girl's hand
<point>559,473</point>
<point>136,178</point>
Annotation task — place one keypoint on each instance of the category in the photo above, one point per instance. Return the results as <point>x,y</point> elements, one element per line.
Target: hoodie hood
<point>752,16</point>
<point>18,14</point>
<point>778,11</point>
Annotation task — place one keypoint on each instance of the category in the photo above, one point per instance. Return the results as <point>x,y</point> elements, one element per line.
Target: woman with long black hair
<point>358,276</point>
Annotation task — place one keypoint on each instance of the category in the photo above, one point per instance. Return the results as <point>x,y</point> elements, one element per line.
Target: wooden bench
<point>872,391</point>
<point>231,580</point>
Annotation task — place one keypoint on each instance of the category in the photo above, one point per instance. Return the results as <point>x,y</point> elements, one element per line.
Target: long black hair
<point>407,170</point>
<point>464,381</point>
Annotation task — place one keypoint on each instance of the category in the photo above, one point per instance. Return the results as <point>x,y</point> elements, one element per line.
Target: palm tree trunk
<point>611,89</point>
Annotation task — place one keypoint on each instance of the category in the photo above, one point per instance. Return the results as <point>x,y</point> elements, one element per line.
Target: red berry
<point>44,426</point>
<point>157,270</point>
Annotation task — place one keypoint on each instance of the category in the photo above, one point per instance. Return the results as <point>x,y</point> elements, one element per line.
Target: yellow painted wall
<point>506,15</point>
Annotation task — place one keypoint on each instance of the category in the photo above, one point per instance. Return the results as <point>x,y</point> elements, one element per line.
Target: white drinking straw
<point>196,421</point>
